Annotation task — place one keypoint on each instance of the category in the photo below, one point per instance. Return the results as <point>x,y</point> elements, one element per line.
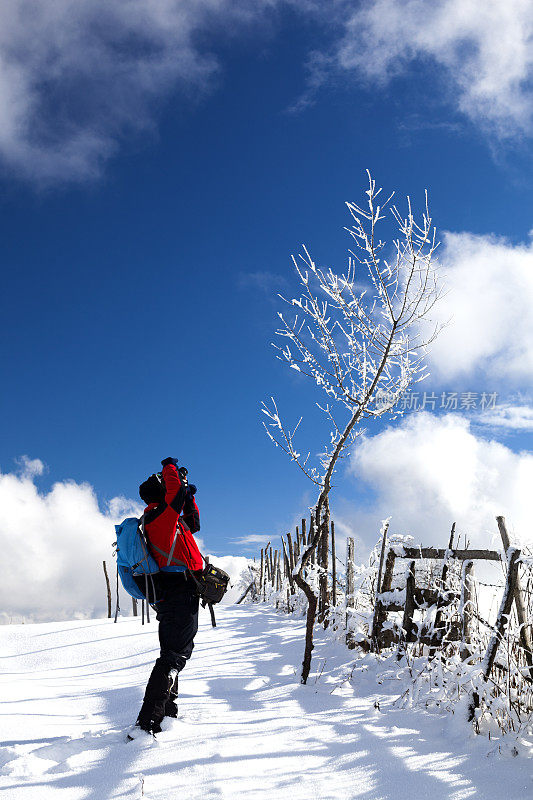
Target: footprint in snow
<point>22,760</point>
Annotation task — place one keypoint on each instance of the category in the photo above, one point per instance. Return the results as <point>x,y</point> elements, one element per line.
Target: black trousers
<point>177,614</point>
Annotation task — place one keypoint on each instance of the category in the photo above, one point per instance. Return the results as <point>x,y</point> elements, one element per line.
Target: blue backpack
<point>133,557</point>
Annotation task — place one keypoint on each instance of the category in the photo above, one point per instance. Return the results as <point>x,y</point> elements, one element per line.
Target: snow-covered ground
<point>247,728</point>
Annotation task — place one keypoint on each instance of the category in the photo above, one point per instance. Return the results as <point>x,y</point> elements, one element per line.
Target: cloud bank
<point>490,294</point>
<point>54,544</point>
<point>430,471</point>
<point>485,50</point>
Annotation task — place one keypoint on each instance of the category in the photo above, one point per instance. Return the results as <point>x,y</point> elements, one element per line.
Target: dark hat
<point>152,490</point>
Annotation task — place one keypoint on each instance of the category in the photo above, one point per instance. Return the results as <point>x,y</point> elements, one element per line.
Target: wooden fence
<point>453,609</point>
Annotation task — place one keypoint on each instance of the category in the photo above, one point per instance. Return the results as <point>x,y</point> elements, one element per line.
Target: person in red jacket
<point>171,517</point>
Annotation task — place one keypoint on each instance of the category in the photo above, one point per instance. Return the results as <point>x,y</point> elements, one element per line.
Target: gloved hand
<point>169,461</point>
<point>192,489</point>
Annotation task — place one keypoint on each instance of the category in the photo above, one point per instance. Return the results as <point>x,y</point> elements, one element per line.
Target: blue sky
<point>150,206</point>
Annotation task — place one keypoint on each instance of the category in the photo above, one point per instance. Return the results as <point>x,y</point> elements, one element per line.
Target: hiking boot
<point>156,696</point>
<point>171,705</point>
<point>171,709</point>
<point>140,733</point>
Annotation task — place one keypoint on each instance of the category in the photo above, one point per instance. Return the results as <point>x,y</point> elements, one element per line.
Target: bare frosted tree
<point>361,337</point>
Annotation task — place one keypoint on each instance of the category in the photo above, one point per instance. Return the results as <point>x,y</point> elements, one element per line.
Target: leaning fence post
<point>525,627</point>
<point>287,561</point>
<point>268,566</point>
<point>292,563</point>
<point>108,592</point>
<point>513,556</point>
<point>266,571</point>
<point>377,588</point>
<point>117,606</point>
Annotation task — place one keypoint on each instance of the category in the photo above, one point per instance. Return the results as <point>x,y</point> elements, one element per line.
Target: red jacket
<point>163,520</point>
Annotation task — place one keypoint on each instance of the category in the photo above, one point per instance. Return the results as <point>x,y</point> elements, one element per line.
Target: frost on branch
<point>285,438</point>
<point>359,336</point>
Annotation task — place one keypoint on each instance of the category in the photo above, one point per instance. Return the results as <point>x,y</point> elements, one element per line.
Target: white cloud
<point>53,544</point>
<point>486,48</point>
<point>489,301</point>
<point>76,77</point>
<point>253,539</point>
<point>515,417</point>
<point>430,471</point>
<point>30,467</point>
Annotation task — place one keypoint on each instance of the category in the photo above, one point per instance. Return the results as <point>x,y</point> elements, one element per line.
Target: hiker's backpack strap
<point>174,540</point>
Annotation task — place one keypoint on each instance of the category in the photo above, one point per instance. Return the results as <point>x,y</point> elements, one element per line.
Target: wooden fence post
<point>311,534</point>
<point>525,628</point>
<point>267,564</point>
<point>297,547</point>
<point>323,561</point>
<point>501,623</point>
<point>292,563</point>
<point>117,606</point>
<point>287,562</point>
<point>333,567</point>
<point>275,568</point>
<point>466,608</point>
<point>437,627</point>
<point>377,587</point>
<point>379,608</point>
<point>350,587</point>
<point>134,604</point>
<point>409,610</point>
<point>108,592</point>
<point>266,571</point>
